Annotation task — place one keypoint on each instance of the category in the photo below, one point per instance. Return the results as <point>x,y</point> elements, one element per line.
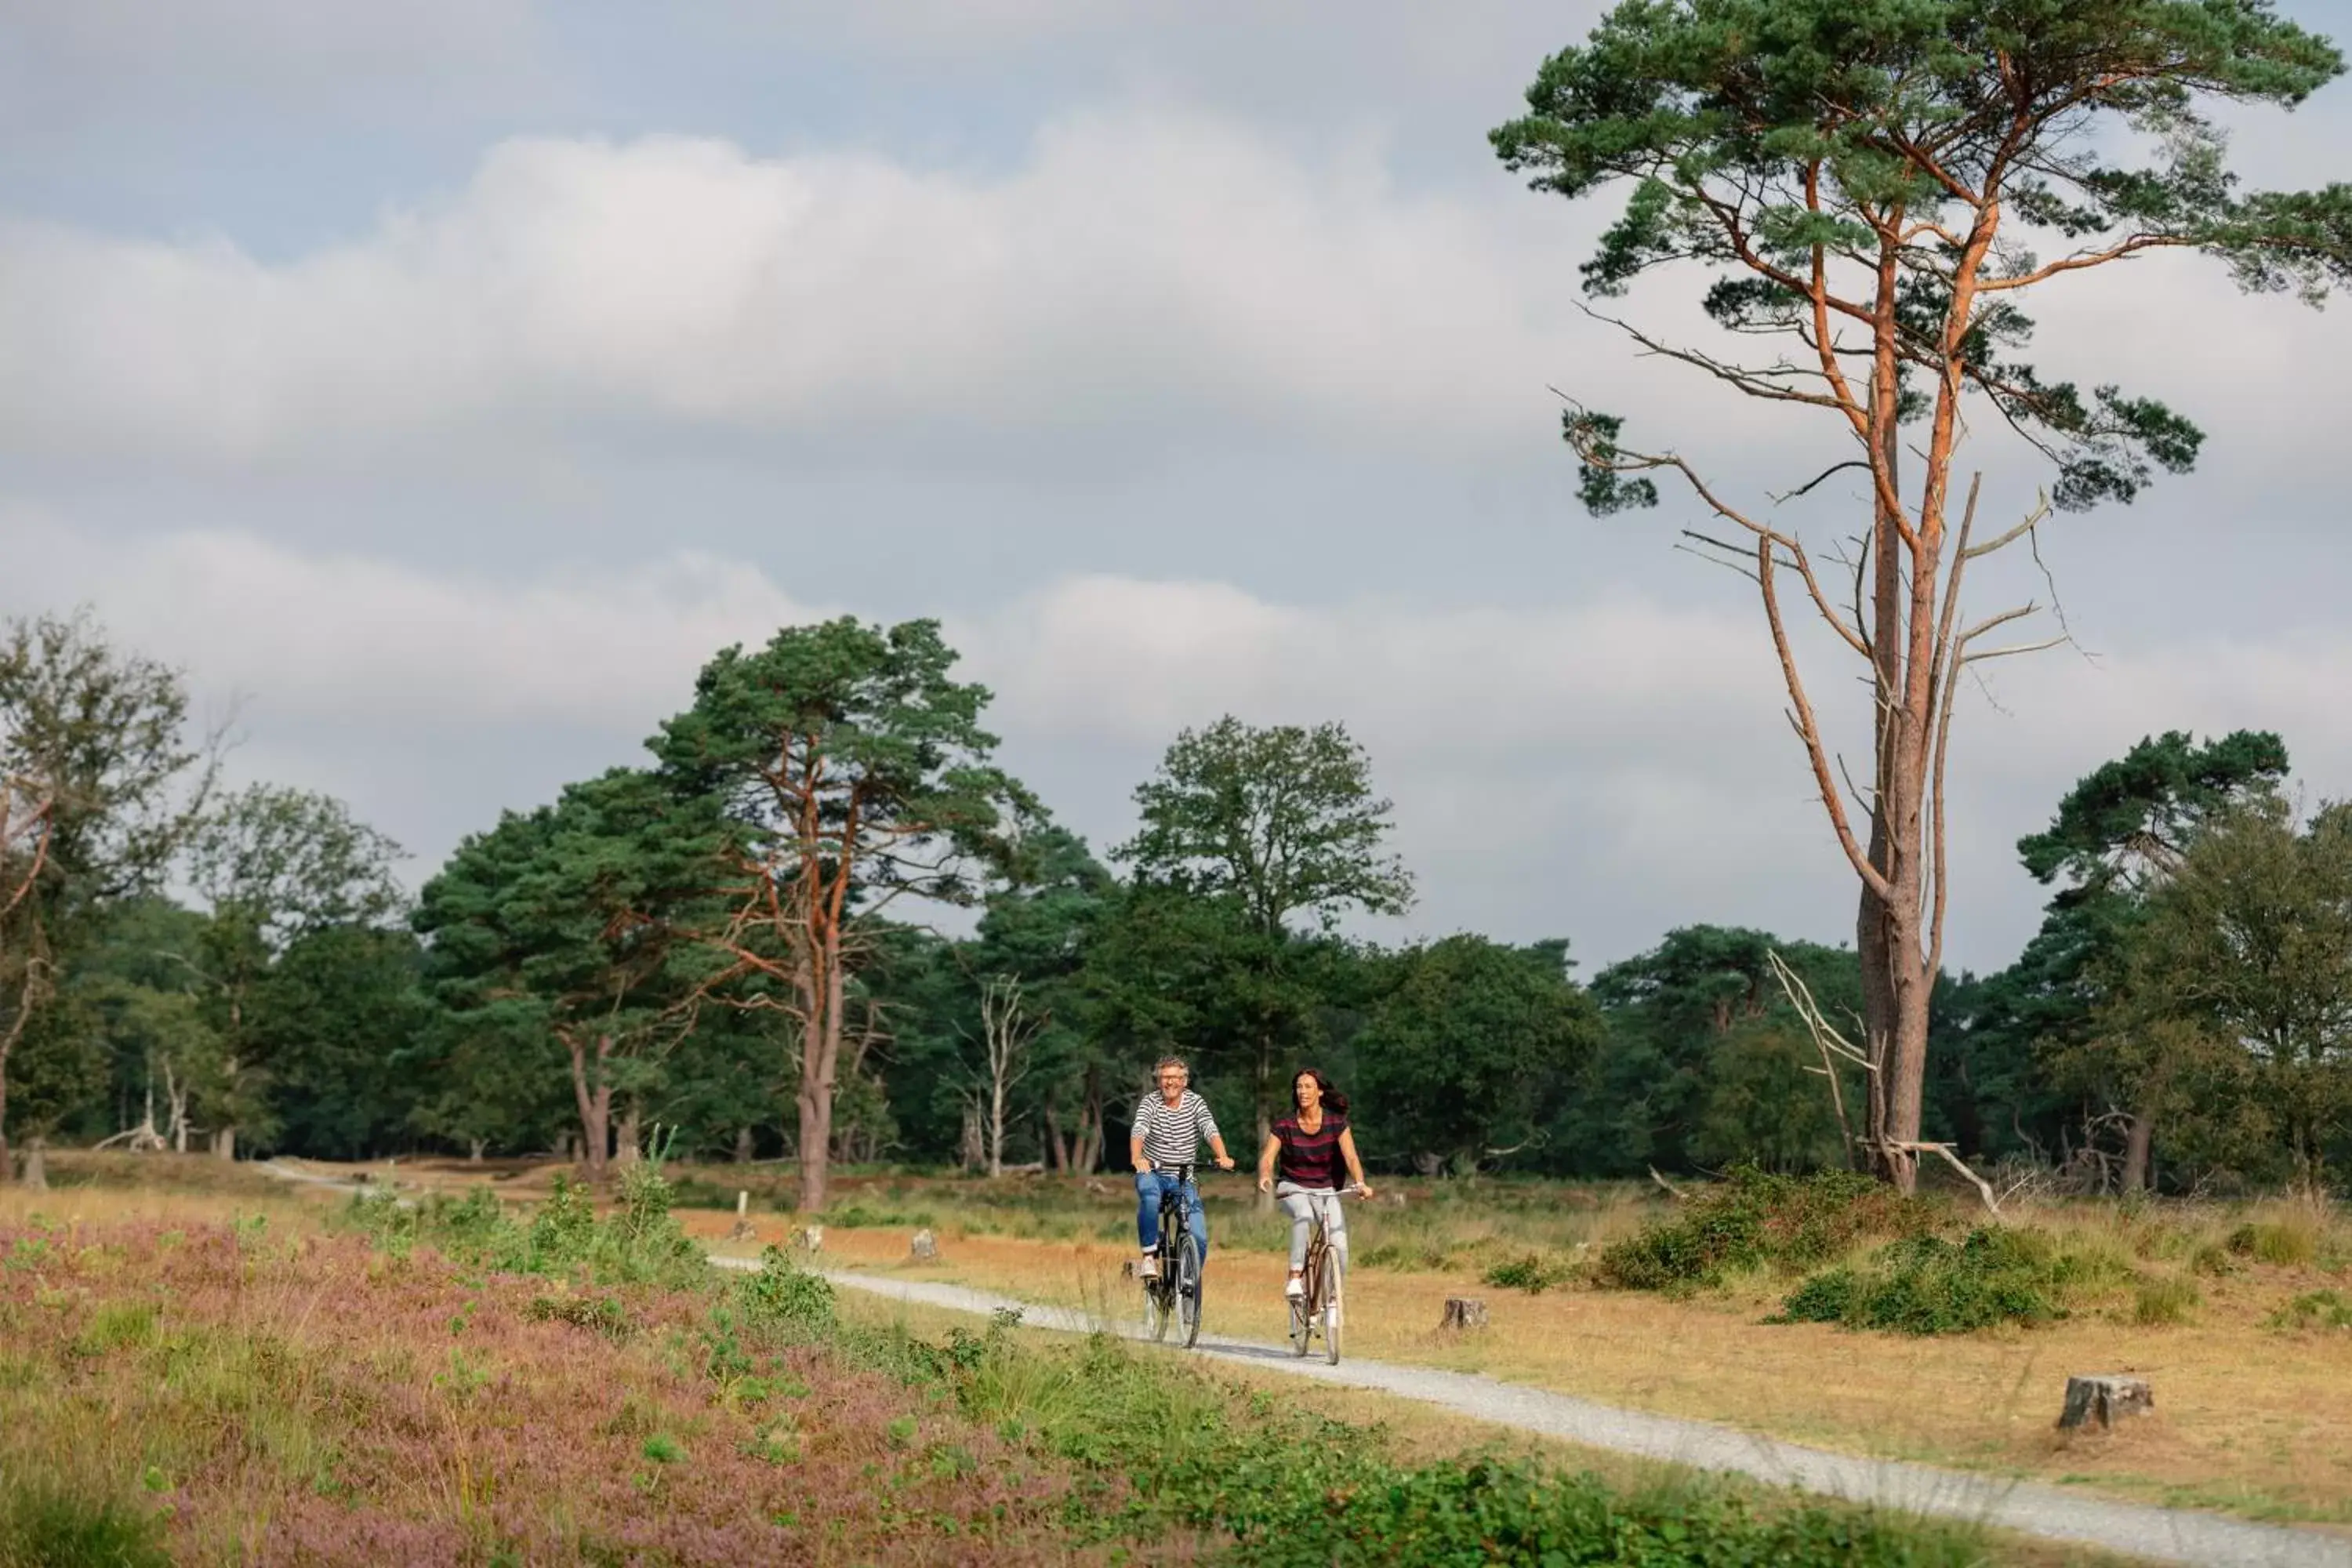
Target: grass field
<point>2238,1316</point>
<point>234,1376</point>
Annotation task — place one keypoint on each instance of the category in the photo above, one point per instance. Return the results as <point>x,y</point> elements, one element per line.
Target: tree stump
<point>925,1248</point>
<point>1464,1312</point>
<point>2102,1399</point>
<point>36,1165</point>
<point>810,1238</point>
<point>742,1231</point>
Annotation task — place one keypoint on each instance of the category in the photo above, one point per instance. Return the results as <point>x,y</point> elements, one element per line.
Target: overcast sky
<point>445,381</point>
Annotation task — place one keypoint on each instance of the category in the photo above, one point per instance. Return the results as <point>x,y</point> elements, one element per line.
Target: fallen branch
<point>1673,1191</point>
<point>1983,1187</point>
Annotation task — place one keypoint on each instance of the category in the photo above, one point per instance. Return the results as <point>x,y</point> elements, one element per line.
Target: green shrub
<point>858,1216</point>
<point>116,1325</point>
<point>2312,1310</point>
<point>44,1527</point>
<point>604,1314</point>
<point>565,1225</point>
<point>1531,1272</point>
<point>1757,1220</point>
<point>2286,1243</point>
<point>2156,1302</point>
<point>2214,1259</point>
<point>784,1296</point>
<point>1924,1285</point>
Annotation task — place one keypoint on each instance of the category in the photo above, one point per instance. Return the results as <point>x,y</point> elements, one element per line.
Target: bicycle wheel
<point>1188,1287</point>
<point>1302,1311</point>
<point>1328,1293</point>
<point>1158,1294</point>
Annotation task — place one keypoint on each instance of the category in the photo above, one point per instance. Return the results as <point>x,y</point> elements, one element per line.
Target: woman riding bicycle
<point>1300,1164</point>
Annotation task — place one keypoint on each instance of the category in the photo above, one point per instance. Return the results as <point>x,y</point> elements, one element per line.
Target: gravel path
<point>2028,1508</point>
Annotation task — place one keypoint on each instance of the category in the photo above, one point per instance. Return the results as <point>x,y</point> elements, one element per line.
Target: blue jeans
<point>1148,1186</point>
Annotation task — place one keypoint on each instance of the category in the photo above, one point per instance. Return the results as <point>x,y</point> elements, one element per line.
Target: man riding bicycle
<point>1305,1150</point>
<point>1170,1126</point>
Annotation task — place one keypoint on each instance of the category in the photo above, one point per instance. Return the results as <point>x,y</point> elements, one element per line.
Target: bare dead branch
<point>1817,479</point>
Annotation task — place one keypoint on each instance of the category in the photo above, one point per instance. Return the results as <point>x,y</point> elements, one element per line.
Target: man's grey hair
<point>1177,1062</point>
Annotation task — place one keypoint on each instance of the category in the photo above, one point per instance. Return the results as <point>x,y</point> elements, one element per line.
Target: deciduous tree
<point>1469,1054</point>
<point>1862,184</point>
<point>92,751</point>
<point>2247,948</point>
<point>273,864</point>
<point>1282,824</point>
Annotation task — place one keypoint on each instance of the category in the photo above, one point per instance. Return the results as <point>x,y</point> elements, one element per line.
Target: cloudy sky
<point>444,381</point>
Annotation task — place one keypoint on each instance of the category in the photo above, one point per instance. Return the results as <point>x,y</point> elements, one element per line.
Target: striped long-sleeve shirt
<point>1173,1134</point>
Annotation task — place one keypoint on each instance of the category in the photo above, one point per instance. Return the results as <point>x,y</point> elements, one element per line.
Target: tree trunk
<point>1090,1124</point>
<point>627,1151</point>
<point>743,1146</point>
<point>225,1143</point>
<point>594,1102</point>
<point>474,1147</point>
<point>2139,1137</point>
<point>996,1125</point>
<point>1057,1152</point>
<point>1878,944</point>
<point>820,1055</point>
<point>36,1165</point>
<point>7,1168</point>
<point>972,1149</point>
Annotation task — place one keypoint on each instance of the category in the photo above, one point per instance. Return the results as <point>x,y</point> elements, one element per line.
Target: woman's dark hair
<point>1333,1100</point>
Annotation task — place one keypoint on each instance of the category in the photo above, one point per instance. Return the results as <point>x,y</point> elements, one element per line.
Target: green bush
<point>858,1216</point>
<point>1758,1219</point>
<point>44,1527</point>
<point>565,1225</point>
<point>1924,1285</point>
<point>2313,1310</point>
<point>2160,1301</point>
<point>604,1314</point>
<point>1532,1272</point>
<point>2287,1244</point>
<point>783,1296</point>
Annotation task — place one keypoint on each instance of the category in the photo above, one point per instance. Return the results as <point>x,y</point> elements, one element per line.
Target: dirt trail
<point>2157,1534</point>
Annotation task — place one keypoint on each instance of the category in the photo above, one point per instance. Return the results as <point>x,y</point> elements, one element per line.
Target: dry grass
<point>2251,1420</point>
<point>262,1398</point>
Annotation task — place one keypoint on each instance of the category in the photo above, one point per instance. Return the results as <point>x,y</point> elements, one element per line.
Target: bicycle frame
<point>1317,1308</point>
<point>1174,1288</point>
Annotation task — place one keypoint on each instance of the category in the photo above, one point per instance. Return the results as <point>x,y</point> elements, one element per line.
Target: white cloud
<point>1602,769</point>
<point>1134,265</point>
<point>334,638</point>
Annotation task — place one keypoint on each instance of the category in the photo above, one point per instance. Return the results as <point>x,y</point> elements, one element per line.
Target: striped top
<point>1311,1160</point>
<point>1172,1135</point>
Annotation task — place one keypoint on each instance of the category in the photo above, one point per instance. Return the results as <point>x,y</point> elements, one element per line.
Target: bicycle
<point>1316,1307</point>
<point>1173,1294</point>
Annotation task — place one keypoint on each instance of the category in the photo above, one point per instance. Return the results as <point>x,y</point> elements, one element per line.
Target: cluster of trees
<point>1859,186</point>
<point>737,944</point>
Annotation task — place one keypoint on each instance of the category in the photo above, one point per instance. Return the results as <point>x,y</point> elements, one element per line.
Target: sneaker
<point>1296,1286</point>
<point>1149,1267</point>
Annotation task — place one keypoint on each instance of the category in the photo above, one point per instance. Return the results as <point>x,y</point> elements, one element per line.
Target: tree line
<point>737,943</point>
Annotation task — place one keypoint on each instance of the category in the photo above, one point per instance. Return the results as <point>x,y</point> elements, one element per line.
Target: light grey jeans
<point>1300,1204</point>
